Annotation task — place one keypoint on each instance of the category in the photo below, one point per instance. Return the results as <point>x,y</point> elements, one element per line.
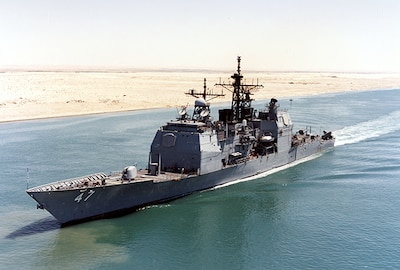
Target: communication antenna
<point>183,110</point>
<point>27,178</point>
<point>207,94</point>
<point>201,106</point>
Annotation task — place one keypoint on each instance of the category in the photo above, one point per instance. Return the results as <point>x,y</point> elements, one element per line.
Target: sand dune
<point>31,95</point>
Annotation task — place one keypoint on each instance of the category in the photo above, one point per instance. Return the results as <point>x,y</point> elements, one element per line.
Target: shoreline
<point>26,96</point>
<point>160,108</point>
<point>79,114</point>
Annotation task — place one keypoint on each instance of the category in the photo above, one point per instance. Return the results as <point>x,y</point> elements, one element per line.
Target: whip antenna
<point>27,178</point>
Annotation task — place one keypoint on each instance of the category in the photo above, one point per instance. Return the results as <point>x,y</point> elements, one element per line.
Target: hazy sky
<point>304,35</point>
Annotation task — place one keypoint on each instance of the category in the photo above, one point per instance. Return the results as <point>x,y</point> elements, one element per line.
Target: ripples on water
<point>337,211</point>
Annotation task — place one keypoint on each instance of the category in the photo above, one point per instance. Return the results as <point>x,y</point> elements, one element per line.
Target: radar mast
<point>201,106</point>
<point>241,100</point>
<point>205,93</point>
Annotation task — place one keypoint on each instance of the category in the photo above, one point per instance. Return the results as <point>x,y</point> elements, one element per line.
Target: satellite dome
<point>200,102</point>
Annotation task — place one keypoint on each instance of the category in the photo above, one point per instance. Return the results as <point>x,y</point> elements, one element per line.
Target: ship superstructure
<point>189,154</point>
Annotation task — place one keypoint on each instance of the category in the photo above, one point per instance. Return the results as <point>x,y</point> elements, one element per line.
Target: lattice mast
<point>241,100</point>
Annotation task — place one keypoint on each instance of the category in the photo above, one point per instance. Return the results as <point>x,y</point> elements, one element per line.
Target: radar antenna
<point>201,106</point>
<point>241,100</point>
<point>205,94</point>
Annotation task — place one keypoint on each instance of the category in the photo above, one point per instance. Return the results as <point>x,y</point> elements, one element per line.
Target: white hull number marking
<point>79,198</point>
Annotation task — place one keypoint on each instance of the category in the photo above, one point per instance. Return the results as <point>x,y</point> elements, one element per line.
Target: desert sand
<point>32,94</point>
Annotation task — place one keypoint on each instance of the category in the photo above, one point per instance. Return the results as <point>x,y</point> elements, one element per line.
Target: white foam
<point>269,172</point>
<point>369,129</point>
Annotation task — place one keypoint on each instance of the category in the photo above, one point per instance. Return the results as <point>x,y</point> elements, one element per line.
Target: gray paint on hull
<point>71,206</point>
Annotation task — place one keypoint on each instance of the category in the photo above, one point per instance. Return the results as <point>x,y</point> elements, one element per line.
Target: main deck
<point>101,179</point>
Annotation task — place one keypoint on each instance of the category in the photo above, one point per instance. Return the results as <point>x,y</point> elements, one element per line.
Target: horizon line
<point>122,69</point>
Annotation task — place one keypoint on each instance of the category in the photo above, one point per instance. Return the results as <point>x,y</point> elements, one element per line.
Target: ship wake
<point>269,172</point>
<point>369,129</point>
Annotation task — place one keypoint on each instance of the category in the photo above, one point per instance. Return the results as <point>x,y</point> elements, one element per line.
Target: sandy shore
<point>32,95</point>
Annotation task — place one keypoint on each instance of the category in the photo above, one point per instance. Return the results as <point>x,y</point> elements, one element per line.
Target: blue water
<point>338,211</point>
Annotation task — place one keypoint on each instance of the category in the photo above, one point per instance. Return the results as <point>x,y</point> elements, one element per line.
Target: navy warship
<point>189,154</point>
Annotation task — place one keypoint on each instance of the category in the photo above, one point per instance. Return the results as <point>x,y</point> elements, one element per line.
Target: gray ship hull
<point>82,204</point>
